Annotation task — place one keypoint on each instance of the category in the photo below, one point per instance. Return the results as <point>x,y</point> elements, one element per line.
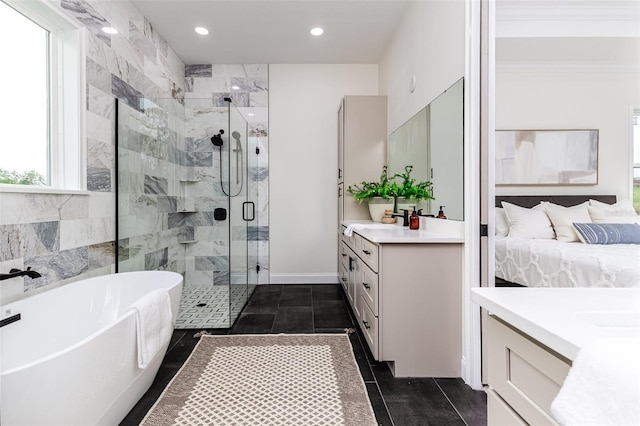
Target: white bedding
<point>552,263</point>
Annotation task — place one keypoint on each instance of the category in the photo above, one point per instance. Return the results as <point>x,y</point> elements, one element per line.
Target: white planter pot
<point>377,206</point>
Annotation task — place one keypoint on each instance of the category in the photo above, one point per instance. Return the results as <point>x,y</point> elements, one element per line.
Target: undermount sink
<point>378,225</point>
<point>630,319</point>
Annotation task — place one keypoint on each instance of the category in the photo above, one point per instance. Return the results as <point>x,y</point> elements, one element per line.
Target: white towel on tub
<point>603,385</point>
<point>153,324</point>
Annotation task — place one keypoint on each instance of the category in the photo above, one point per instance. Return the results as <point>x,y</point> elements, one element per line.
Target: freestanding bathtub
<point>72,357</point>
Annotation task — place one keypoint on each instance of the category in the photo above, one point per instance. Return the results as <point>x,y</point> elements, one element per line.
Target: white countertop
<point>565,319</point>
<point>431,231</point>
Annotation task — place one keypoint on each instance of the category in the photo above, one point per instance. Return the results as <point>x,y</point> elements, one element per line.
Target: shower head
<point>217,139</point>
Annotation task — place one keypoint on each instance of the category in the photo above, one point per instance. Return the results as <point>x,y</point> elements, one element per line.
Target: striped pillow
<point>608,233</point>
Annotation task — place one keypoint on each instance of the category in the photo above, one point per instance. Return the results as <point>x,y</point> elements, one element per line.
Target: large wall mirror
<point>432,142</point>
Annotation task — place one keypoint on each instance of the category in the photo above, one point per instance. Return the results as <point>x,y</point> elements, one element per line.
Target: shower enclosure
<point>186,203</point>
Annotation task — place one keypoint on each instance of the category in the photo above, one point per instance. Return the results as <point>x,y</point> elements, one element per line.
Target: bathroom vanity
<point>405,288</point>
<point>534,334</point>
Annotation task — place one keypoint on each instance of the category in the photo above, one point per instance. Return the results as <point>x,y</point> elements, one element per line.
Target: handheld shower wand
<point>238,151</point>
<point>217,140</point>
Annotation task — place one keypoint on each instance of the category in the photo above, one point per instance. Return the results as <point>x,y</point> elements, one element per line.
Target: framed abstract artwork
<point>546,157</point>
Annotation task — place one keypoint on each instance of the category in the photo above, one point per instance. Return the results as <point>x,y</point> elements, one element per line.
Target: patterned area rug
<point>294,379</point>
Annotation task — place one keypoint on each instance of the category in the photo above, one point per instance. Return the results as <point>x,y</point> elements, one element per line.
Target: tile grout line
<point>450,402</point>
<point>313,322</point>
<point>384,402</point>
<point>366,358</point>
<point>273,324</point>
<point>375,379</point>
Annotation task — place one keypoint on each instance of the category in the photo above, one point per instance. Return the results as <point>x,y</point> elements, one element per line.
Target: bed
<point>553,263</point>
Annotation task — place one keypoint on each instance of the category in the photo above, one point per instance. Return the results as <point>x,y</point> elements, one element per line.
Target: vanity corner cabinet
<point>524,376</point>
<point>407,299</point>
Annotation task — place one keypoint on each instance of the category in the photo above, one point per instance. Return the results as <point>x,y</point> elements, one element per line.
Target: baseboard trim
<point>329,278</point>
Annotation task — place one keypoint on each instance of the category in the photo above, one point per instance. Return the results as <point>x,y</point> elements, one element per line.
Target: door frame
<point>479,175</point>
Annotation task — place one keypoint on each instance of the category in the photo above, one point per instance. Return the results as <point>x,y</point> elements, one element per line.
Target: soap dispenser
<point>441,213</point>
<point>414,222</point>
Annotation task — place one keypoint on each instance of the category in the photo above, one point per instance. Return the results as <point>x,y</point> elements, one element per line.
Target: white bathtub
<point>71,359</point>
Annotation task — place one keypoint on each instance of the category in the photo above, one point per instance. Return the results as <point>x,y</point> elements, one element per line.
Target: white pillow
<point>528,223</point>
<point>620,212</point>
<point>563,219</point>
<point>602,216</point>
<point>502,225</point>
<point>621,208</point>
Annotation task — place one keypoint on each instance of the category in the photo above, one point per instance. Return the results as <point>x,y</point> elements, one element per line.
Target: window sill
<point>32,189</point>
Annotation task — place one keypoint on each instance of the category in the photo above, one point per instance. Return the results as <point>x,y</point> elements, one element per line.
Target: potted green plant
<point>379,195</point>
<point>410,192</point>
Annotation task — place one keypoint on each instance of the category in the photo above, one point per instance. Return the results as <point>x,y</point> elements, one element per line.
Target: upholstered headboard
<point>529,201</point>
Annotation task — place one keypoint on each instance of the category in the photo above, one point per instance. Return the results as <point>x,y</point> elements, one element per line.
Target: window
<point>42,103</point>
<point>636,160</point>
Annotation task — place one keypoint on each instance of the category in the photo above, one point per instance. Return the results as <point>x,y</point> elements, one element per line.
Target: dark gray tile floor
<point>323,309</point>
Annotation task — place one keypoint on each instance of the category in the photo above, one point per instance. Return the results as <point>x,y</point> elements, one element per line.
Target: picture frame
<point>546,157</point>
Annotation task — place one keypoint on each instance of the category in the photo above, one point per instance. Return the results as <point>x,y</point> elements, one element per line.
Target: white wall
<point>303,102</point>
<point>303,139</point>
<point>428,45</point>
<point>579,99</point>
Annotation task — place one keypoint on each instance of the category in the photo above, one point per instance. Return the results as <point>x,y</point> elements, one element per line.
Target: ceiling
<point>275,31</point>
<point>358,31</point>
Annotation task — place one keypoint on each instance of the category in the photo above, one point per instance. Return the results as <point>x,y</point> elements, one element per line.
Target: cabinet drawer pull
<point>367,286</point>
<point>344,254</point>
<point>366,251</point>
<point>344,279</point>
<point>366,324</point>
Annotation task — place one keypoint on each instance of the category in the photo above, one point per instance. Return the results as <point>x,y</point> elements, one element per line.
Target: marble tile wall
<point>150,169</point>
<point>71,237</point>
<point>220,247</point>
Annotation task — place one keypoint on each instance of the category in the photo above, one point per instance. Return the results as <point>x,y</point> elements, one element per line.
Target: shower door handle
<point>245,211</point>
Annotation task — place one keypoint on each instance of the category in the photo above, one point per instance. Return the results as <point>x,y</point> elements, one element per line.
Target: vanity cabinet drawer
<point>369,288</point>
<point>344,254</point>
<point>524,373</point>
<point>350,241</point>
<point>499,413</point>
<point>344,277</point>
<point>368,251</point>
<point>369,326</point>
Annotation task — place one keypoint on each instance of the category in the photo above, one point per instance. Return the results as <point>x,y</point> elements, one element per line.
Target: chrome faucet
<point>13,273</point>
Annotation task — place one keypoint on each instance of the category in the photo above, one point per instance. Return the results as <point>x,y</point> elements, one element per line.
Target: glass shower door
<point>186,193</point>
<point>242,212</point>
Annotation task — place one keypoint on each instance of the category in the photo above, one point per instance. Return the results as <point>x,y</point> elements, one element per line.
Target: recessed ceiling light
<point>251,114</point>
<point>109,30</point>
<point>201,30</point>
<point>234,87</point>
<point>317,31</point>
